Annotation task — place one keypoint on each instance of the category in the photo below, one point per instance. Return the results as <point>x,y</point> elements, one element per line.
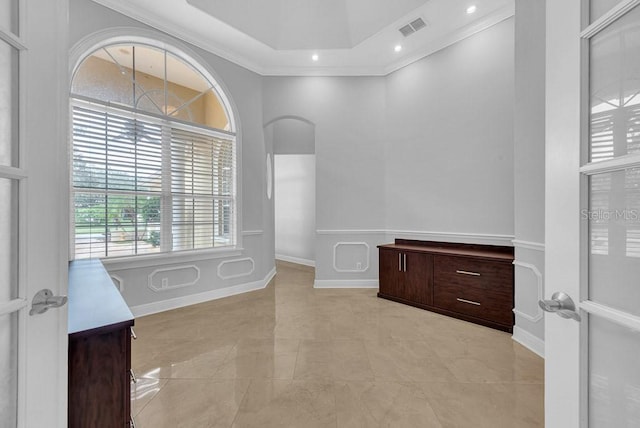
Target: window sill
<point>154,260</point>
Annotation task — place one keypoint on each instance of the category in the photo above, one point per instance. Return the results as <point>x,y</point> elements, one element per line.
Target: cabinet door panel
<point>390,272</point>
<point>418,278</point>
<point>97,380</point>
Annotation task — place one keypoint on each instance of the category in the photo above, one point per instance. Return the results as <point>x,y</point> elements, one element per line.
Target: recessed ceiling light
<point>471,9</point>
<point>398,48</point>
<point>315,57</point>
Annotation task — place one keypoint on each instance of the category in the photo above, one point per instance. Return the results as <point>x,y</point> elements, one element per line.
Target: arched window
<point>153,154</point>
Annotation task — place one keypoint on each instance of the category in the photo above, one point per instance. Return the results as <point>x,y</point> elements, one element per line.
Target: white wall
<point>449,150</point>
<point>349,114</point>
<point>425,153</point>
<point>529,181</point>
<point>295,208</point>
<point>210,275</point>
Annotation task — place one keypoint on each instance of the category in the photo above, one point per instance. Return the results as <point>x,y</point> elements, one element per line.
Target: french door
<point>33,64</point>
<point>593,213</point>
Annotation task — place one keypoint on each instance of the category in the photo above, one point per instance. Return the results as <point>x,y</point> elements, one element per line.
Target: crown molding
<point>476,27</point>
<point>146,17</point>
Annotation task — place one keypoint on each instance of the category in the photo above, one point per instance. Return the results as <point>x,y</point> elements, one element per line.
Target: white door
<point>33,253</point>
<point>592,376</point>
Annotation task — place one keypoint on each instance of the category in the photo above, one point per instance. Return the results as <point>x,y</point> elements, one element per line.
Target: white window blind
<point>144,184</point>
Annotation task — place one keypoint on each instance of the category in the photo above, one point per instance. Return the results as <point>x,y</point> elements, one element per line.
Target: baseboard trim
<point>528,340</point>
<point>296,260</point>
<point>179,302</point>
<point>347,283</point>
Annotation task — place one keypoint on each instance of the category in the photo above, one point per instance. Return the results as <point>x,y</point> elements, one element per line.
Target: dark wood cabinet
<point>466,281</point>
<point>99,388</point>
<point>406,275</point>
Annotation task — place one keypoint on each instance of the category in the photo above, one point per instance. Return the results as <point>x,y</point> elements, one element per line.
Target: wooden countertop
<point>451,251</point>
<point>94,301</point>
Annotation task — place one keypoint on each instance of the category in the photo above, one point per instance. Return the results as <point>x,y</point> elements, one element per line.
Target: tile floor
<point>294,356</point>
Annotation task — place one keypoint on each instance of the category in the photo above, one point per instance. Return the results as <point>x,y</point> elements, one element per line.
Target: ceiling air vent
<point>412,27</point>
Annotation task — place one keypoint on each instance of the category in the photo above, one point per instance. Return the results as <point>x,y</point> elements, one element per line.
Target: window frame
<point>152,39</point>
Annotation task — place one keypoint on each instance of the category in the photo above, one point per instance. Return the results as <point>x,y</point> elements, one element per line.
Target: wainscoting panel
<point>237,268</point>
<point>118,282</point>
<point>529,288</point>
<point>531,310</point>
<point>351,256</point>
<point>173,277</point>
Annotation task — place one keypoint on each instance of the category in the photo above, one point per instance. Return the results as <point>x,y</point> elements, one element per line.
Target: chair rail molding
<point>425,235</point>
<point>252,232</point>
<point>539,314</point>
<point>351,232</point>
<point>529,245</point>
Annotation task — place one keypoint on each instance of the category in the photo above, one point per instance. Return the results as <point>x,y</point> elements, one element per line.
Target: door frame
<point>566,195</point>
<point>44,242</point>
<point>562,201</point>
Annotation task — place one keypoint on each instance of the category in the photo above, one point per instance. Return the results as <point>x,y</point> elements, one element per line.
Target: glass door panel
<point>9,104</point>
<point>615,89</point>
<point>614,375</point>
<point>9,15</point>
<point>613,216</point>
<point>614,229</point>
<point>8,369</point>
<point>8,240</point>
<point>600,7</point>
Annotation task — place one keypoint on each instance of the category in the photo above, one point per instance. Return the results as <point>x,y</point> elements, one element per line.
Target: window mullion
<point>166,217</point>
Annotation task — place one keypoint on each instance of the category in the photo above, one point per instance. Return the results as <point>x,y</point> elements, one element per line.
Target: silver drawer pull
<point>465,272</point>
<point>471,302</point>
<point>133,334</point>
<point>399,262</point>
<point>133,377</point>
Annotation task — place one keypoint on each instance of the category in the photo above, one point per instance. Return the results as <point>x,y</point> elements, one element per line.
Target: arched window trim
<point>133,35</point>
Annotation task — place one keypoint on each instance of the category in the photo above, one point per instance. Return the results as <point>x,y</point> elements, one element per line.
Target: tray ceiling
<point>349,37</point>
<point>308,24</point>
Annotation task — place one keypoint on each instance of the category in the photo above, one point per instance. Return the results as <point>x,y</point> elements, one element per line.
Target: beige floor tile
<point>143,391</point>
<point>173,358</point>
<point>383,404</point>
<point>401,360</point>
<point>487,405</point>
<point>282,404</point>
<point>294,356</point>
<point>258,365</point>
<point>314,360</point>
<point>193,403</point>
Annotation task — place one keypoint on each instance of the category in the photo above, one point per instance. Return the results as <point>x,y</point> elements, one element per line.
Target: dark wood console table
<point>99,349</point>
<point>466,281</point>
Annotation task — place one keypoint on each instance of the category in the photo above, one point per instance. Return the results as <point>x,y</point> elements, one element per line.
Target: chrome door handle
<point>560,304</point>
<point>45,300</point>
